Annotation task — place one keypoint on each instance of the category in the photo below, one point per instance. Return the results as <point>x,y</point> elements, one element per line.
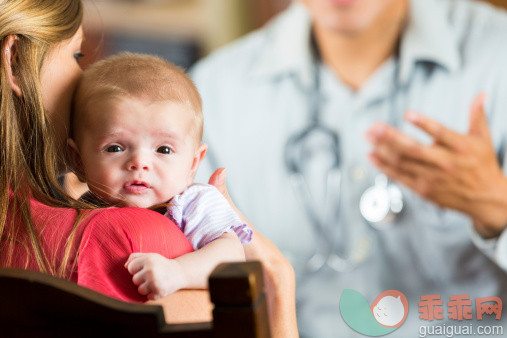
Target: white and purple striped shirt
<point>203,214</point>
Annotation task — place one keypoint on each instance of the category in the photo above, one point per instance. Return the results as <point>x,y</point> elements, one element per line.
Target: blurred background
<point>181,31</point>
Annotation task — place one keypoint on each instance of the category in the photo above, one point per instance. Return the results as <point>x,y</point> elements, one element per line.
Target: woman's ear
<point>75,160</point>
<point>199,155</point>
<point>10,60</point>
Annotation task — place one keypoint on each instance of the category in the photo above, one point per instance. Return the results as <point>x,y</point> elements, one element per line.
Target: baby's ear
<point>199,155</point>
<point>75,160</point>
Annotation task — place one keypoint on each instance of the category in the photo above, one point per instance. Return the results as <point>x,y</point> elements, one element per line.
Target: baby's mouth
<point>136,187</point>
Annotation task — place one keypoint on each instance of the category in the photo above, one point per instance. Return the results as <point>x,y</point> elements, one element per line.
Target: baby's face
<point>137,153</point>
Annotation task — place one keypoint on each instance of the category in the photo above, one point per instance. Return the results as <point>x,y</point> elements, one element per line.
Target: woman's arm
<point>280,283</point>
<point>186,306</point>
<point>279,275</point>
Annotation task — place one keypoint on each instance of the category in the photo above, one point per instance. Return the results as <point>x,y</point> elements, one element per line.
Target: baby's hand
<point>155,275</point>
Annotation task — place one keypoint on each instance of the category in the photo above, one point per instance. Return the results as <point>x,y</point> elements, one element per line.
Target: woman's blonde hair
<point>29,158</point>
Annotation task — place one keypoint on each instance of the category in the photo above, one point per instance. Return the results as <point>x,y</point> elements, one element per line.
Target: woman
<point>40,49</point>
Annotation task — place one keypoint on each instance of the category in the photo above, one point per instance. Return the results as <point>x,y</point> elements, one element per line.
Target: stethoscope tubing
<point>324,251</point>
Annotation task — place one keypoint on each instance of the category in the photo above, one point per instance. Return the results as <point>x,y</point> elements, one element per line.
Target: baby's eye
<point>164,150</point>
<point>114,149</point>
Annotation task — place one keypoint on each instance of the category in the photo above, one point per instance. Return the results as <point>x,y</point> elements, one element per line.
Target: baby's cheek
<point>170,188</point>
<point>166,192</point>
<point>112,180</point>
<point>103,179</point>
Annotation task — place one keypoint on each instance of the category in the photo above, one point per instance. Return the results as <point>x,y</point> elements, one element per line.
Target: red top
<point>103,241</point>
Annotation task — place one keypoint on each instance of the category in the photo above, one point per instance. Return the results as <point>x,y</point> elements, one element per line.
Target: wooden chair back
<point>33,304</point>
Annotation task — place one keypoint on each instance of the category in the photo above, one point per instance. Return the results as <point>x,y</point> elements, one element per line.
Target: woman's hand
<point>457,171</point>
<point>279,275</point>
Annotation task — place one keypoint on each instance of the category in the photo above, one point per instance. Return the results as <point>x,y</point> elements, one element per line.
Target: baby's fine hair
<point>139,76</point>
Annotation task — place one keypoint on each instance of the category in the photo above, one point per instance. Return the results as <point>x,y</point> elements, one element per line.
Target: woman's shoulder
<point>128,216</point>
<point>140,228</point>
<point>133,229</point>
<point>111,235</point>
<point>102,217</point>
<point>128,220</point>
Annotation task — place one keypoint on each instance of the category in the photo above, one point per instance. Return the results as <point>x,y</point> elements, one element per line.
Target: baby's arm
<point>157,276</point>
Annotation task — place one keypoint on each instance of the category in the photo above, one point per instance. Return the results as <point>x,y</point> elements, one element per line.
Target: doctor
<point>357,140</point>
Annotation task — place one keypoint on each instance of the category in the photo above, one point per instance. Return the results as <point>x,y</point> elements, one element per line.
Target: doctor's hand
<point>457,171</point>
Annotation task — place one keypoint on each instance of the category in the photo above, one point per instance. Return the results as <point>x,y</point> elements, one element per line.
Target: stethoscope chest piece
<point>381,203</point>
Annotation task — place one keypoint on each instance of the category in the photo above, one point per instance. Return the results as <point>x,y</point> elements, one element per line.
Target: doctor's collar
<point>427,37</point>
<point>286,47</point>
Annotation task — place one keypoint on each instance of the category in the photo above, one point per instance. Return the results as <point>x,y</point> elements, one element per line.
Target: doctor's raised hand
<point>457,171</point>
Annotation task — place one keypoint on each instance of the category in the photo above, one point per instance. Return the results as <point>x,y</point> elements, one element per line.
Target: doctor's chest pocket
<point>443,239</point>
<point>426,215</point>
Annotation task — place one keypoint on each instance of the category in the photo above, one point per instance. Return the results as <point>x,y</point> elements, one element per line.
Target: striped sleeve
<point>203,214</point>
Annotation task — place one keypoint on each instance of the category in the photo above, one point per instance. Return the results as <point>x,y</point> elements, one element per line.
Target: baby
<point>136,140</point>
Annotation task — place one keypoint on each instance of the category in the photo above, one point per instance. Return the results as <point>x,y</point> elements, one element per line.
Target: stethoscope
<point>379,205</point>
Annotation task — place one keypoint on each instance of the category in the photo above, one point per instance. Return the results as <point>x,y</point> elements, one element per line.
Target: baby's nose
<point>138,162</point>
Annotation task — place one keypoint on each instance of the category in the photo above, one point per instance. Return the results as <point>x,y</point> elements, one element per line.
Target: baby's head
<point>136,130</point>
